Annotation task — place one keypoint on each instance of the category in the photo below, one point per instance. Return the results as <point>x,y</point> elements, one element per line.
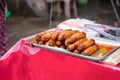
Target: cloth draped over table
<point>24,62</point>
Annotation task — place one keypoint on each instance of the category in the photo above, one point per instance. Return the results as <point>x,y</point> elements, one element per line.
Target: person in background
<point>3,33</point>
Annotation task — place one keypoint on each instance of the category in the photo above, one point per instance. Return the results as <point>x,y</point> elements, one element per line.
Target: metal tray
<point>98,40</point>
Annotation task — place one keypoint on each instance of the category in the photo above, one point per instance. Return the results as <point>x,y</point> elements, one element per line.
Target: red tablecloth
<point>23,62</point>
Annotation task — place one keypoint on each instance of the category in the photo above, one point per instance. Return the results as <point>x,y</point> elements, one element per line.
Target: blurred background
<point>28,17</point>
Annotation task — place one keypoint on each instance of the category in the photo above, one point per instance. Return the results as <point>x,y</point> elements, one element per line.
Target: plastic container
<point>109,32</point>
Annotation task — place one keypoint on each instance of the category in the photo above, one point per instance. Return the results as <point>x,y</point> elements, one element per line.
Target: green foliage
<point>82,2</point>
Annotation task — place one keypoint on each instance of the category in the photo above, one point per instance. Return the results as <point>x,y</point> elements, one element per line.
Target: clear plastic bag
<point>104,31</point>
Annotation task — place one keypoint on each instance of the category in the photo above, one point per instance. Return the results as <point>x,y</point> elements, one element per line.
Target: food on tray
<point>74,38</point>
<point>73,41</point>
<point>55,35</point>
<point>65,34</point>
<point>85,44</point>
<point>103,49</point>
<point>90,50</point>
<point>62,46</point>
<point>58,43</point>
<point>37,39</point>
<point>51,42</point>
<point>75,44</point>
<point>47,36</point>
<point>40,42</point>
<point>76,51</point>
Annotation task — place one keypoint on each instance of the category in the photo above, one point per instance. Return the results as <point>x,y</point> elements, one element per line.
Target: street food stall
<point>70,51</point>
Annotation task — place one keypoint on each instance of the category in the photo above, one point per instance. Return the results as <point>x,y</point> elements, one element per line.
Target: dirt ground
<point>19,27</point>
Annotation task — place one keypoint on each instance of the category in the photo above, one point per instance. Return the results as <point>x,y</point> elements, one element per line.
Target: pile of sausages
<point>71,40</point>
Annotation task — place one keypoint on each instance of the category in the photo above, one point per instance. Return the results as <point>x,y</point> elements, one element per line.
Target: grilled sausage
<point>74,45</point>
<point>76,51</point>
<point>46,37</point>
<point>90,50</point>
<point>65,34</point>
<point>85,44</point>
<point>56,34</point>
<point>74,38</point>
<point>51,42</point>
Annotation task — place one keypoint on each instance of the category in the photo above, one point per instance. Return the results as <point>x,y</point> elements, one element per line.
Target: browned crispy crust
<point>65,34</point>
<point>85,44</point>
<point>70,40</point>
<point>90,50</point>
<point>74,38</point>
<point>74,45</point>
<point>47,36</point>
<point>56,34</point>
<point>76,51</point>
<point>51,42</point>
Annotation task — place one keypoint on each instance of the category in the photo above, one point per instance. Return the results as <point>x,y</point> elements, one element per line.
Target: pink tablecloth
<point>23,62</point>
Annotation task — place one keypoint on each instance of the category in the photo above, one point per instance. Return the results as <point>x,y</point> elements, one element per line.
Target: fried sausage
<point>85,44</point>
<point>42,33</point>
<point>46,37</point>
<point>51,42</point>
<point>74,45</point>
<point>56,34</point>
<point>76,51</point>
<point>37,39</point>
<point>65,34</point>
<point>90,50</point>
<point>58,43</point>
<point>75,37</point>
<point>41,42</point>
<point>62,46</point>
<point>47,43</point>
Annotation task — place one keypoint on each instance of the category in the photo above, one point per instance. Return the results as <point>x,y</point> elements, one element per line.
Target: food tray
<point>98,40</point>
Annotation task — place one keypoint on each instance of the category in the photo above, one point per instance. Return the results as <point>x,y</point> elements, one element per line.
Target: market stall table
<point>24,62</point>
